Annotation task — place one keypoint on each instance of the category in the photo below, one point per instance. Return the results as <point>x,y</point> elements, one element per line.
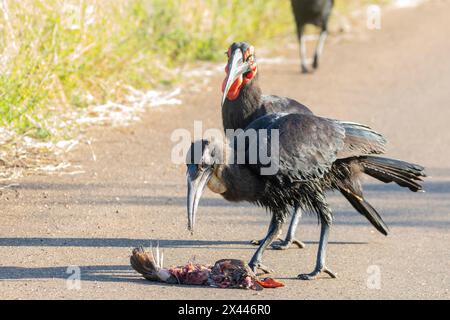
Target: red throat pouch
<point>235,88</point>
<point>237,85</point>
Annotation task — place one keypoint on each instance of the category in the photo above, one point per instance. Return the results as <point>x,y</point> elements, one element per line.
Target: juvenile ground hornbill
<point>316,12</point>
<point>314,155</point>
<point>244,102</point>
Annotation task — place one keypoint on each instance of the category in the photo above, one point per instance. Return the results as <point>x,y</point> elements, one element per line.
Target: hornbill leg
<point>319,48</point>
<point>301,39</point>
<point>290,236</point>
<point>258,242</point>
<point>274,231</point>
<point>321,254</point>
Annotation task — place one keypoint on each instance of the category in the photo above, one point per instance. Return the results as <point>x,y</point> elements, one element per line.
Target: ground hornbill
<point>244,102</point>
<point>316,12</point>
<point>313,155</point>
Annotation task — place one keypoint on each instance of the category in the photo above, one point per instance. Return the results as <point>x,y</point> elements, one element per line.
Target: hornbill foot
<point>259,266</point>
<point>313,275</point>
<point>304,69</point>
<point>258,242</point>
<point>286,244</point>
<point>315,62</point>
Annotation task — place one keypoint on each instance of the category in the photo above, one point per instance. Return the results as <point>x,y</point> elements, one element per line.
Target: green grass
<point>57,56</point>
<point>61,55</point>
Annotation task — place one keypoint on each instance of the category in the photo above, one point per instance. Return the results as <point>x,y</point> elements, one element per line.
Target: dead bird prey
<point>225,273</point>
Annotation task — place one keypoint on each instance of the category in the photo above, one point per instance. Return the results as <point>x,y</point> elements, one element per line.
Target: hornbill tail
<point>403,173</point>
<point>363,207</point>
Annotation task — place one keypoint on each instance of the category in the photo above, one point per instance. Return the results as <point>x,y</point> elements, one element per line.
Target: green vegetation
<point>57,56</point>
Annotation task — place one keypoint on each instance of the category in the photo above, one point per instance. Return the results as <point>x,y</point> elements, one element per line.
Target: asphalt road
<point>396,80</point>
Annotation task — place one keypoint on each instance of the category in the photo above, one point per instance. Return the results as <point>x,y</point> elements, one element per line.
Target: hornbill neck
<point>237,114</point>
<point>239,182</point>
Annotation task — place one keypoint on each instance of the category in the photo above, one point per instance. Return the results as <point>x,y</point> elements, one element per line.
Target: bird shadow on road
<point>131,243</point>
<point>110,242</point>
<point>90,197</point>
<point>108,273</point>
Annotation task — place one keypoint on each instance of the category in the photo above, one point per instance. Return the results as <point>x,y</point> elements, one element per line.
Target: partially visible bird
<point>311,155</point>
<point>316,12</point>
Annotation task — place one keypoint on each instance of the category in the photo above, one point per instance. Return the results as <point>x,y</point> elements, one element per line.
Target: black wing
<point>306,149</point>
<point>265,121</point>
<point>308,145</point>
<point>273,104</point>
<point>360,140</point>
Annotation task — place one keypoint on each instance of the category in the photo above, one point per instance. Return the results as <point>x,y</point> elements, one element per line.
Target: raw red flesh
<point>270,283</point>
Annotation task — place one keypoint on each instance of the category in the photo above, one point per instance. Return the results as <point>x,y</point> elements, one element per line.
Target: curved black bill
<point>196,182</point>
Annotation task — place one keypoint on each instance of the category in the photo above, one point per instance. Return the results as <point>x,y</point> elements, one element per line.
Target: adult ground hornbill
<point>244,102</point>
<point>316,12</point>
<point>312,155</point>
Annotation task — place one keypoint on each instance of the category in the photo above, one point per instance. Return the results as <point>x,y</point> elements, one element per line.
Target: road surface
<point>397,80</point>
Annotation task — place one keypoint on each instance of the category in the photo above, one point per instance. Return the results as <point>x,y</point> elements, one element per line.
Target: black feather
<point>390,170</point>
<point>363,207</point>
<point>315,12</point>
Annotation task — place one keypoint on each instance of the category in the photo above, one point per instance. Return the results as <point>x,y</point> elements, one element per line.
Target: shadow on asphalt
<point>374,190</point>
<point>115,273</point>
<point>110,242</point>
<point>131,243</point>
<point>101,273</point>
<point>111,273</point>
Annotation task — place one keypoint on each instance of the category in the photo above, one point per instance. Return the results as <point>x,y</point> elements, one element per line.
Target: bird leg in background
<point>319,48</point>
<point>290,236</point>
<point>258,242</point>
<point>301,39</point>
<point>321,255</point>
<point>274,231</point>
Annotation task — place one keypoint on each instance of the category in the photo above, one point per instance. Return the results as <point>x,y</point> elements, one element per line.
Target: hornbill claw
<point>316,62</point>
<point>259,266</point>
<point>313,275</point>
<point>258,242</point>
<point>286,244</point>
<point>304,69</point>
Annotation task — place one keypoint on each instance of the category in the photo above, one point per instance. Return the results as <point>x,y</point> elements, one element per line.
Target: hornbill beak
<point>196,181</point>
<point>236,68</point>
